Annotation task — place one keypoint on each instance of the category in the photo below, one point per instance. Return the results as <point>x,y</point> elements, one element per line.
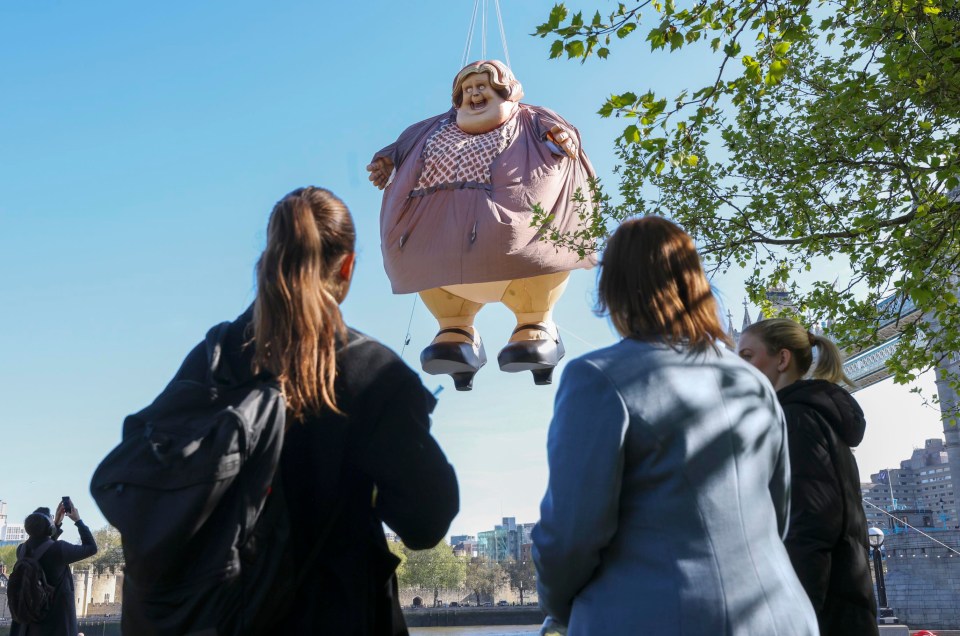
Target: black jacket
<point>376,463</point>
<point>827,536</point>
<point>61,620</point>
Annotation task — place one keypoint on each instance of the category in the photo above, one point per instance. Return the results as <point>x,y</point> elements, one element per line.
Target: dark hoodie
<point>827,537</point>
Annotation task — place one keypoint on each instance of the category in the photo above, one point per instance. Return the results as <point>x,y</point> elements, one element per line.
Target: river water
<point>498,630</point>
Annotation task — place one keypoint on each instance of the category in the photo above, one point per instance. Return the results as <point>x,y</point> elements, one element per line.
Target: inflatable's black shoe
<point>459,360</point>
<point>537,356</point>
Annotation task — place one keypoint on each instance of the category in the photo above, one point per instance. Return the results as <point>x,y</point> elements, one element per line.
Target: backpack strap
<point>40,550</point>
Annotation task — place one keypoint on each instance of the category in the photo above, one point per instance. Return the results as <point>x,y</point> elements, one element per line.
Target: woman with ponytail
<point>357,450</point>
<point>357,437</point>
<point>827,536</point>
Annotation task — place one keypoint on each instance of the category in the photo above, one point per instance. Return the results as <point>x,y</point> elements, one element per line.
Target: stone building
<point>98,593</point>
<point>923,579</point>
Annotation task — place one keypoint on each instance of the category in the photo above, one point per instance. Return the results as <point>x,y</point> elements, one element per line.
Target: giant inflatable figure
<point>455,221</point>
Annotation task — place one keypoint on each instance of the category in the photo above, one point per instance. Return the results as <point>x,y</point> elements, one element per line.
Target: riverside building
<point>920,492</point>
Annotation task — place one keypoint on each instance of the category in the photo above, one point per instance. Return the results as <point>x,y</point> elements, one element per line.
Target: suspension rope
<point>481,7</point>
<point>483,32</point>
<point>503,36</point>
<point>406,339</point>
<point>473,23</point>
<point>911,527</point>
<point>576,337</point>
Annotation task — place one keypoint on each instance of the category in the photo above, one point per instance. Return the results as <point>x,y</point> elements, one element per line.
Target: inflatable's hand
<point>380,171</point>
<point>563,138</point>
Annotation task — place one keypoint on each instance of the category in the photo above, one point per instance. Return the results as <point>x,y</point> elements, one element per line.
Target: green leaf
<point>574,49</point>
<point>781,48</point>
<point>626,29</point>
<point>557,15</point>
<point>556,49</point>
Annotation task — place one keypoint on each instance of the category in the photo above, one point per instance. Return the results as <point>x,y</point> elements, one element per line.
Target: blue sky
<point>141,150</point>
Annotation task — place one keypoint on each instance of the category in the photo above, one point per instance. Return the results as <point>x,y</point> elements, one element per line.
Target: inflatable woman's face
<point>482,109</point>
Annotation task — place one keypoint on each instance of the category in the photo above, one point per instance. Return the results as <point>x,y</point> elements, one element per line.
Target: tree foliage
<point>484,578</point>
<point>522,576</point>
<point>109,556</point>
<point>830,133</point>
<point>8,557</point>
<point>433,569</point>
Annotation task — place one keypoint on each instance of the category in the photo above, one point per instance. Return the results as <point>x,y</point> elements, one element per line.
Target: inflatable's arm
<point>560,136</point>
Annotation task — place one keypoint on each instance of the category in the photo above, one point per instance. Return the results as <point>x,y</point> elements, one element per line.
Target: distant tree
<point>433,569</point>
<point>8,556</point>
<point>484,577</point>
<point>522,576</point>
<point>109,554</point>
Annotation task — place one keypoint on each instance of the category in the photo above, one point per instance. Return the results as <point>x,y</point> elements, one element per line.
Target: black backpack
<point>195,492</point>
<point>28,593</point>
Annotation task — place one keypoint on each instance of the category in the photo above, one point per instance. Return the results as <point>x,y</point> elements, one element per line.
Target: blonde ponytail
<point>296,317</point>
<point>829,362</point>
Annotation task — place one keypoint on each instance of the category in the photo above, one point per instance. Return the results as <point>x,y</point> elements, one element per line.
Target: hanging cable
<point>473,23</point>
<point>483,32</point>
<point>899,520</point>
<point>503,35</point>
<point>576,337</point>
<point>406,339</point>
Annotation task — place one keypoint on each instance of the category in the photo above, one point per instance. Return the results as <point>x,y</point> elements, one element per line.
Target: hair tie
<point>812,338</point>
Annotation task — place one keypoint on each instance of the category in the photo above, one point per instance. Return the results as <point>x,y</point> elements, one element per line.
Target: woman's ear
<point>346,274</point>
<point>346,267</point>
<point>785,357</point>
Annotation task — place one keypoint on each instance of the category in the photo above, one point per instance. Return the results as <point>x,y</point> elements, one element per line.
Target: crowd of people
<point>692,489</point>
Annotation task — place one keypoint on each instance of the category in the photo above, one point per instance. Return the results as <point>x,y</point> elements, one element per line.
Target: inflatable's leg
<point>535,344</point>
<point>457,349</point>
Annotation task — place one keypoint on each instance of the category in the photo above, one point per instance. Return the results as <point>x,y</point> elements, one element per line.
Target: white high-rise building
<point>10,533</point>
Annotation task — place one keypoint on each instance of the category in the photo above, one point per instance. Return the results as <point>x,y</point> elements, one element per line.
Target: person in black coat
<point>827,535</point>
<point>357,450</point>
<point>61,618</point>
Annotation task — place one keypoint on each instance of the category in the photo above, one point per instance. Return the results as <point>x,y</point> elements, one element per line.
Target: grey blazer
<point>667,499</point>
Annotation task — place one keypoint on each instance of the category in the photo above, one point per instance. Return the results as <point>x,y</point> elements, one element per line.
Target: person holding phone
<point>41,527</point>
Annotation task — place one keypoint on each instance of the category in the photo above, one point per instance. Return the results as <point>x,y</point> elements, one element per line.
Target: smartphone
<point>67,505</point>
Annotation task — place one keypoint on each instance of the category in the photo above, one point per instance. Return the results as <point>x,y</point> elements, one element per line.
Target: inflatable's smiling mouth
<point>478,105</point>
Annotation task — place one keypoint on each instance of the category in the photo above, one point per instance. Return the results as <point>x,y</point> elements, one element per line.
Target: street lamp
<point>875,538</point>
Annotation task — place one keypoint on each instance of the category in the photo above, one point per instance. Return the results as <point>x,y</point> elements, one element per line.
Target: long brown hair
<point>783,333</point>
<point>653,286</point>
<point>296,315</point>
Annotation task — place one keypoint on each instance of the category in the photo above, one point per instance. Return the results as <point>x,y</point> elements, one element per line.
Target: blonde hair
<point>501,79</point>
<point>296,315</point>
<point>783,333</point>
<point>653,286</point>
